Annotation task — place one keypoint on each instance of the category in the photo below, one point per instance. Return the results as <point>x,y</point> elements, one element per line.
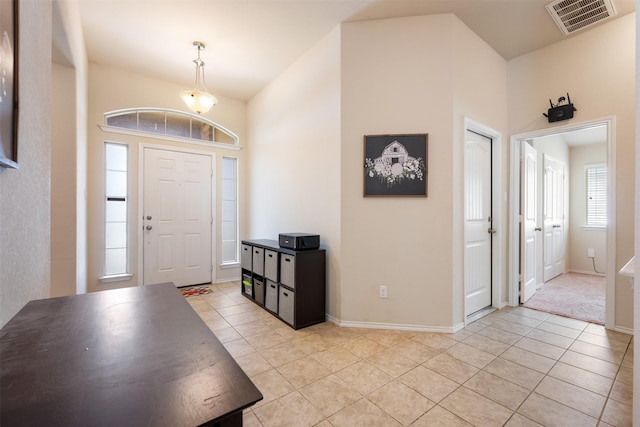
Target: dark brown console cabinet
<point>289,284</point>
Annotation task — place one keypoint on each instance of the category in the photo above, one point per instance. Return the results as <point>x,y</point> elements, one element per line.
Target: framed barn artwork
<point>9,83</point>
<point>395,165</point>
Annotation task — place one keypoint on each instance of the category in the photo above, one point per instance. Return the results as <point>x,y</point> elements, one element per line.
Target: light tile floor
<point>514,367</point>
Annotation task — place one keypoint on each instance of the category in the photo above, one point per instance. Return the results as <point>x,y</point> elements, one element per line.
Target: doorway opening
<point>567,242</point>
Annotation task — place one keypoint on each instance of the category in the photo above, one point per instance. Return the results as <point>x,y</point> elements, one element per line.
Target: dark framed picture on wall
<point>395,165</point>
<point>9,83</point>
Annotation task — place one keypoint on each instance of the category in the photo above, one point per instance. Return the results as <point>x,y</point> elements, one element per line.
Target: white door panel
<point>177,217</point>
<point>477,254</point>
<point>553,217</point>
<point>529,223</point>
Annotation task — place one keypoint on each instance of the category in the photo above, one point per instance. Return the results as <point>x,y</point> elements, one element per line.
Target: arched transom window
<point>170,124</point>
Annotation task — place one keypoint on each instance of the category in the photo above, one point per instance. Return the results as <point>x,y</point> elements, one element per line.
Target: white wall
<point>597,68</point>
<point>25,193</point>
<point>581,239</point>
<point>113,89</point>
<point>293,171</point>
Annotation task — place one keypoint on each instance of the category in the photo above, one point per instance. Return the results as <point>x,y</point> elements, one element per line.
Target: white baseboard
<point>593,273</point>
<point>395,326</point>
<point>623,329</point>
<point>233,279</point>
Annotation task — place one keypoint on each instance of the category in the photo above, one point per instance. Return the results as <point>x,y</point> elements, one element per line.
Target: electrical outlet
<point>591,253</point>
<point>383,291</point>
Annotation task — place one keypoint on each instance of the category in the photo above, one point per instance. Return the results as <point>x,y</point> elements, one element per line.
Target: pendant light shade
<point>199,100</point>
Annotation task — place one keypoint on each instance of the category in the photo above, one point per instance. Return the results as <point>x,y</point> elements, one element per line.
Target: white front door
<point>477,222</point>
<point>529,222</point>
<point>553,212</point>
<point>177,217</point>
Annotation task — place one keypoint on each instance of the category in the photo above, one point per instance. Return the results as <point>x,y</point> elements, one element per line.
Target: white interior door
<point>553,212</point>
<point>177,217</point>
<point>477,229</point>
<point>529,222</point>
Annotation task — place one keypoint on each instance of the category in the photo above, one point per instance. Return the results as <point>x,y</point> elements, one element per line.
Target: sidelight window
<point>116,208</point>
<point>230,247</point>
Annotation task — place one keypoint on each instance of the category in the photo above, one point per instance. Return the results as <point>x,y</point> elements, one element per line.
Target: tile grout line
<point>458,385</point>
<point>547,373</point>
<point>583,330</point>
<point>604,407</point>
<point>556,361</point>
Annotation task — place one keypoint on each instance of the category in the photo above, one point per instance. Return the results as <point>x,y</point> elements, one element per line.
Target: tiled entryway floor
<point>514,367</point>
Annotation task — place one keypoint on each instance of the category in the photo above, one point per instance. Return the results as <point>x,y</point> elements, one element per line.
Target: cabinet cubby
<point>289,284</point>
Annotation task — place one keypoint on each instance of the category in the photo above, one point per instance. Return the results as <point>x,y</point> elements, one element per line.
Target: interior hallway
<point>575,295</point>
<point>514,367</point>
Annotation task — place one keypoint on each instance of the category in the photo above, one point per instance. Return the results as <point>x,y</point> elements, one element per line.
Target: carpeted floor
<point>575,295</point>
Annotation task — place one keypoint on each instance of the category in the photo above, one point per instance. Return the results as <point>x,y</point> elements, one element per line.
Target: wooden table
<point>138,356</point>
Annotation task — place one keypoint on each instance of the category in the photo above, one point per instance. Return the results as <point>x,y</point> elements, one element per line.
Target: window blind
<point>596,176</point>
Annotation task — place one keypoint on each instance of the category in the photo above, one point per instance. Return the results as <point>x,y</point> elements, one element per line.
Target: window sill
<point>230,265</point>
<point>116,278</point>
<point>594,228</point>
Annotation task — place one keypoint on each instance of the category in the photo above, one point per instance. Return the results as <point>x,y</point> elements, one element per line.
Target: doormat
<point>194,292</point>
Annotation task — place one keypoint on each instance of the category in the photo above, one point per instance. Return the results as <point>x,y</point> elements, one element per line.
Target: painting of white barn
<point>400,167</point>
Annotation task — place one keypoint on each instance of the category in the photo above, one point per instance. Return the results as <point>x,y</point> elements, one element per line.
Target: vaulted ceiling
<point>249,42</point>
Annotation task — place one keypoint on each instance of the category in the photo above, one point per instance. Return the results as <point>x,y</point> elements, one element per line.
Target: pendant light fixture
<point>198,99</point>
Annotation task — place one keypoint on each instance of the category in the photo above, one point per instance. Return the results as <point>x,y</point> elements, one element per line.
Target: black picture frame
<point>9,83</point>
<point>396,165</point>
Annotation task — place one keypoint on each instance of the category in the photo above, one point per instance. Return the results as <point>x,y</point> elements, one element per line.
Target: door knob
<point>537,229</point>
<point>148,216</point>
<point>492,230</point>
<point>148,227</point>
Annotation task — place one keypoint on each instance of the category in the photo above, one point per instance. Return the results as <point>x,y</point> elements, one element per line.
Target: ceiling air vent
<point>574,15</point>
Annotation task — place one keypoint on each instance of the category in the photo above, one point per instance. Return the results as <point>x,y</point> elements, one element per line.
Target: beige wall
<point>113,89</point>
<point>25,193</point>
<point>410,75</point>
<point>480,92</point>
<point>581,239</point>
<point>597,68</point>
<point>293,170</point>
<point>636,295</point>
<point>68,152</point>
<point>63,182</point>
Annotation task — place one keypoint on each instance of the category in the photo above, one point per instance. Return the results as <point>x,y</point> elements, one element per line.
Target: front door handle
<point>148,227</point>
<point>492,230</point>
<point>537,229</point>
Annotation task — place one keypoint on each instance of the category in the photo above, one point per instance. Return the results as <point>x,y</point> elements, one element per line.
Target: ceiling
<point>250,42</point>
<point>590,135</point>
